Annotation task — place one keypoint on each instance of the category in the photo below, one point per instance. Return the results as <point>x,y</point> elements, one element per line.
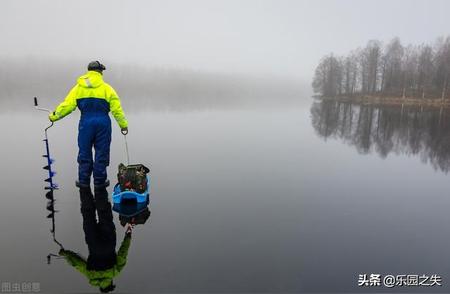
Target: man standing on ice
<point>95,99</point>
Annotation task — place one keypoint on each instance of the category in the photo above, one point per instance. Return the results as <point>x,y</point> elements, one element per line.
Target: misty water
<point>298,199</point>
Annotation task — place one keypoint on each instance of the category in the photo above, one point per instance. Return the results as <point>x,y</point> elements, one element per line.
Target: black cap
<point>96,65</point>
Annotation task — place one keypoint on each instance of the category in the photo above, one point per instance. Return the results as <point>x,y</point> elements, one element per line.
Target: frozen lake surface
<point>286,200</point>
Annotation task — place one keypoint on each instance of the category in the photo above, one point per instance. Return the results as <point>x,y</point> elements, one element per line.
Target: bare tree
<point>350,72</point>
<point>393,61</point>
<point>328,77</point>
<point>442,65</point>
<point>409,70</point>
<point>372,54</point>
<point>425,70</point>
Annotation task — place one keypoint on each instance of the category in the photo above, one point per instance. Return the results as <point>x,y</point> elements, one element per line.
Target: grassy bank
<point>382,100</point>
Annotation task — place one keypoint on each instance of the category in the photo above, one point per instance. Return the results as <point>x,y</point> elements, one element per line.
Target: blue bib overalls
<point>94,132</point>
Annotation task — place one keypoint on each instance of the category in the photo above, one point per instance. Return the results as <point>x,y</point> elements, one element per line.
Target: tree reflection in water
<point>419,131</point>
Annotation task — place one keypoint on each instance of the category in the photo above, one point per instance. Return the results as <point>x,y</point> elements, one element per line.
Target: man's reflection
<point>102,264</point>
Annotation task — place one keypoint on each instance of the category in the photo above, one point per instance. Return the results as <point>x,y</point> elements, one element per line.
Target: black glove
<point>124,131</point>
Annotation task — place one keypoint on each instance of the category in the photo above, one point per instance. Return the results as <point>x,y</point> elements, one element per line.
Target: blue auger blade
<point>52,160</point>
<point>47,167</point>
<point>45,140</point>
<point>48,180</point>
<point>52,174</point>
<point>45,155</point>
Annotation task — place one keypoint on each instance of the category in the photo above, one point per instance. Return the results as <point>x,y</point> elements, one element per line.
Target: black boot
<point>103,185</point>
<point>81,185</point>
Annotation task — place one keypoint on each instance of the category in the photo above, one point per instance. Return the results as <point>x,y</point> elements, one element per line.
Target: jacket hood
<point>91,79</point>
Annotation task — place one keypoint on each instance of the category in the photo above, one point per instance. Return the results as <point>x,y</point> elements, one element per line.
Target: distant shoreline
<point>392,101</point>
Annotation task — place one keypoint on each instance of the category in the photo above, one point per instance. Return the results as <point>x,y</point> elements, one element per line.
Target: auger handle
<point>40,108</point>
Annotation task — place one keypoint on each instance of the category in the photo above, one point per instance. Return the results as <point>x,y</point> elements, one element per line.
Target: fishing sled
<point>133,183</point>
<point>118,195</point>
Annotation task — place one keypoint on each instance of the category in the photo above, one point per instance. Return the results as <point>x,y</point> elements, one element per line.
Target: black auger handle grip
<point>35,101</point>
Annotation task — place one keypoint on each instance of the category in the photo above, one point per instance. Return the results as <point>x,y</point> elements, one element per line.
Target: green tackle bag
<point>133,177</point>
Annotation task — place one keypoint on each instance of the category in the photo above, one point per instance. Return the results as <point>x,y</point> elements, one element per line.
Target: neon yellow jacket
<point>99,278</point>
<point>91,86</point>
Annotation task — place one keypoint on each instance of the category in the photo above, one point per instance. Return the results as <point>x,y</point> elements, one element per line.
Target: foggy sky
<point>285,38</point>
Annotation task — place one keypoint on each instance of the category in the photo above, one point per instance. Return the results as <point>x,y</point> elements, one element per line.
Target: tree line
<point>392,70</point>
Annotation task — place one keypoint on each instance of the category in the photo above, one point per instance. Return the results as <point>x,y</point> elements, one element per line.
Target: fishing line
<point>126,148</point>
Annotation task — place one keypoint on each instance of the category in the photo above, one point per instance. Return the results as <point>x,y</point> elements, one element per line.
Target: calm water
<point>295,200</point>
